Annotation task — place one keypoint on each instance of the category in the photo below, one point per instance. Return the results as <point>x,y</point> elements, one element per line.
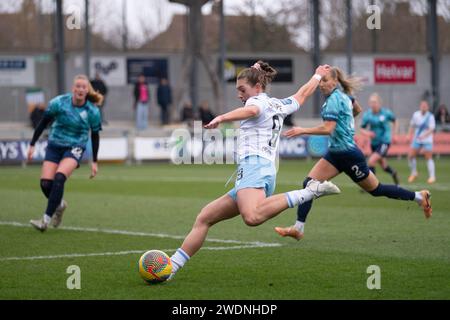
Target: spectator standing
<point>164,99</point>
<point>141,102</point>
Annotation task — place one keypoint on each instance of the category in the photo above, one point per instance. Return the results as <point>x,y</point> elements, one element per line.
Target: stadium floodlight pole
<point>60,59</point>
<point>222,58</point>
<point>316,48</point>
<point>87,40</point>
<point>374,34</point>
<point>349,37</point>
<point>195,44</point>
<point>434,52</point>
<point>124,26</point>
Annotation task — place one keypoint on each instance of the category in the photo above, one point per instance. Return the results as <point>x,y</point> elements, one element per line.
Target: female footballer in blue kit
<point>376,124</point>
<point>73,115</point>
<point>261,122</point>
<point>343,155</point>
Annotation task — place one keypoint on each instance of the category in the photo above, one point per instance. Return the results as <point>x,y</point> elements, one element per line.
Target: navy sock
<point>372,169</point>
<point>304,208</point>
<point>389,170</point>
<point>56,194</point>
<point>393,192</point>
<point>46,187</point>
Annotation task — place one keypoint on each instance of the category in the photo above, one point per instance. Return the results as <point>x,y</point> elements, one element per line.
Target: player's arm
<point>95,140</point>
<point>45,121</point>
<point>410,132</point>
<point>357,109</point>
<point>367,133</point>
<point>325,129</point>
<point>241,113</point>
<point>308,88</point>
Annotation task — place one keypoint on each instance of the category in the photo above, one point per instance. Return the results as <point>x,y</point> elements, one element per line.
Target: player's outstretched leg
<point>220,209</point>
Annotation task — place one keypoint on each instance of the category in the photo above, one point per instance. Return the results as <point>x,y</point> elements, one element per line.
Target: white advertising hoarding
<point>113,149</point>
<point>111,69</point>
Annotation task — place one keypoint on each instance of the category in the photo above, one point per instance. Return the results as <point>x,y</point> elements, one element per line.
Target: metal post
<point>124,26</point>
<point>60,59</point>
<point>195,33</point>
<point>222,55</point>
<point>374,34</point>
<point>316,49</point>
<point>349,37</point>
<point>434,53</point>
<point>87,40</point>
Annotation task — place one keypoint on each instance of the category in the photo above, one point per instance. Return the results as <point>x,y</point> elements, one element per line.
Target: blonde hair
<point>349,84</point>
<point>376,96</point>
<point>93,96</point>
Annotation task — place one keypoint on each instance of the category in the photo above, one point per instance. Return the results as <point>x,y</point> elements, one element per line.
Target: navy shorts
<point>381,149</point>
<point>352,162</point>
<point>55,153</point>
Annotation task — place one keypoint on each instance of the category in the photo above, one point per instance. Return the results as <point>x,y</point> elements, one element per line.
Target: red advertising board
<point>394,71</point>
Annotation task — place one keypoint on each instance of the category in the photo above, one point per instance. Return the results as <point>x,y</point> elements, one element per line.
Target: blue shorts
<point>55,153</point>
<point>352,162</point>
<point>381,149</point>
<point>427,146</point>
<point>255,172</point>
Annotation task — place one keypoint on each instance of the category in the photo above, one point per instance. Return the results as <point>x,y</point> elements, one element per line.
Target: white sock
<point>418,197</point>
<point>413,166</point>
<point>300,226</point>
<point>179,258</point>
<point>296,197</point>
<point>47,218</point>
<point>430,166</point>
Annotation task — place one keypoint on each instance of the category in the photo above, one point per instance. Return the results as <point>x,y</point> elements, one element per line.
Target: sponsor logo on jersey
<point>77,152</point>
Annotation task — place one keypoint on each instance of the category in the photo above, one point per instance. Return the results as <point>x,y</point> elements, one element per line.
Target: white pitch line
<point>436,186</point>
<point>119,253</point>
<point>142,234</point>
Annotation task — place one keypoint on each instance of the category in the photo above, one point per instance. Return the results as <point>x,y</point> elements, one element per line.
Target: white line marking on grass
<point>143,234</point>
<point>436,186</point>
<point>120,253</point>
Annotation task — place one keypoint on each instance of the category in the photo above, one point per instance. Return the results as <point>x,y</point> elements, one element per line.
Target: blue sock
<point>393,192</point>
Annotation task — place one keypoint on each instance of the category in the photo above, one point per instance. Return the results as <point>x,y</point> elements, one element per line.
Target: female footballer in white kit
<point>421,131</point>
<point>261,122</point>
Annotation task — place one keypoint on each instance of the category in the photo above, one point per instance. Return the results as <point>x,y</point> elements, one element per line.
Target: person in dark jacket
<point>164,99</point>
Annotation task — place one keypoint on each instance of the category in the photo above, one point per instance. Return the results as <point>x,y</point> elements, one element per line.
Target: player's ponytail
<point>93,96</point>
<point>261,72</point>
<point>349,84</point>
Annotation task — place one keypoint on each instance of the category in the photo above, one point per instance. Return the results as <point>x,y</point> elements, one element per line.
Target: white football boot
<point>320,189</point>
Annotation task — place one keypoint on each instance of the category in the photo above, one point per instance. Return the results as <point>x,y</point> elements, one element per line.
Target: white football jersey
<point>260,135</point>
<point>422,122</point>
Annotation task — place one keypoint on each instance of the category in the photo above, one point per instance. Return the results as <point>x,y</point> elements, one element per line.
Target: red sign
<point>395,71</point>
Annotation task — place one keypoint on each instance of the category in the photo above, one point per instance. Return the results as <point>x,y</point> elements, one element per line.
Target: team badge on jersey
<point>77,152</point>
<point>382,118</point>
<point>83,115</point>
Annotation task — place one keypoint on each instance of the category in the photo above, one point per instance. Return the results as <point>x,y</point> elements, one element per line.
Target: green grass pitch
<point>127,210</point>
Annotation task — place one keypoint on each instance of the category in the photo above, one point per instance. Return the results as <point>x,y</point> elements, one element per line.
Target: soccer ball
<point>155,266</point>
